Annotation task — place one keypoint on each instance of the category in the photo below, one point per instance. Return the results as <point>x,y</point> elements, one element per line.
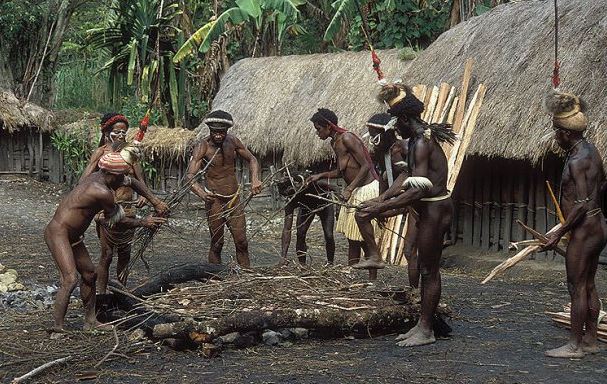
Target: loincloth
<point>80,240</point>
<point>232,197</point>
<point>346,223</point>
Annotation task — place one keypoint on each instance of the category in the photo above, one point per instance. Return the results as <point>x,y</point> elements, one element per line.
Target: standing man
<point>389,155</point>
<point>294,188</point>
<point>354,164</point>
<point>582,185</point>
<point>64,234</point>
<point>221,192</point>
<point>113,241</point>
<point>426,191</point>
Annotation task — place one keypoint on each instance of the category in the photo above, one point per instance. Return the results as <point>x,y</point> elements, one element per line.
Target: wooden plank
<point>507,200</point>
<point>478,208</point>
<point>486,210</point>
<point>496,212</point>
<point>461,134</point>
<point>430,105</point>
<point>419,91</point>
<point>449,103</point>
<point>531,200</point>
<point>440,103</point>
<point>464,141</point>
<point>468,193</point>
<point>461,105</point>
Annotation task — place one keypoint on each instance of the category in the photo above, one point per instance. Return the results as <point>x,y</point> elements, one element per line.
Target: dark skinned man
<point>221,192</point>
<point>582,185</point>
<point>64,234</point>
<point>293,188</point>
<point>426,192</point>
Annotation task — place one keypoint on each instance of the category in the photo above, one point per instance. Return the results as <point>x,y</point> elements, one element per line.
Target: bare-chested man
<point>582,185</point>
<point>64,235</point>
<point>425,191</point>
<point>221,192</point>
<point>293,187</point>
<point>115,240</point>
<point>357,169</point>
<point>389,155</point>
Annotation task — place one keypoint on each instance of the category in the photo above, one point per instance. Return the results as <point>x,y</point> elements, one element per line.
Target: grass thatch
<point>16,115</point>
<point>513,51</point>
<point>273,98</point>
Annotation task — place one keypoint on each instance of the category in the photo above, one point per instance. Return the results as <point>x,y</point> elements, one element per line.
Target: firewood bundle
<point>563,319</point>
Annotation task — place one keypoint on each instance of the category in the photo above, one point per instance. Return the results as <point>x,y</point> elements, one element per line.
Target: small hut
<point>503,178</point>
<point>24,137</point>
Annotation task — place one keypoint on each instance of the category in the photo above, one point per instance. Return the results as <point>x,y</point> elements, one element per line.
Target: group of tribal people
<point>414,181</point>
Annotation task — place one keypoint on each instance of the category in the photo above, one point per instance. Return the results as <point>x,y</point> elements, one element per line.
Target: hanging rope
<point>374,57</point>
<point>556,81</point>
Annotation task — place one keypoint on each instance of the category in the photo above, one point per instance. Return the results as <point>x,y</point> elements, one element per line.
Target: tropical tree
<point>138,38</point>
<point>264,23</point>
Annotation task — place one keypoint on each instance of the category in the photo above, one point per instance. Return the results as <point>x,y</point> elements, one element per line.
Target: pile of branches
<point>328,301</point>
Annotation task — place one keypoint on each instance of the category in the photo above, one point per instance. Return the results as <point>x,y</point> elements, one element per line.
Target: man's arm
<point>355,148</point>
<point>193,168</point>
<point>577,171</point>
<point>286,230</point>
<point>92,164</point>
<point>159,206</point>
<point>114,217</point>
<point>333,174</point>
<point>243,152</point>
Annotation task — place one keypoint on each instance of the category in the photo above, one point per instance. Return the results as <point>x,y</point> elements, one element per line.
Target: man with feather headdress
<point>582,184</point>
<point>423,188</point>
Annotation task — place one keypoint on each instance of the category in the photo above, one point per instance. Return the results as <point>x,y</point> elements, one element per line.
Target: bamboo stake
<point>457,125</point>
<point>430,106</point>
<point>448,105</point>
<point>559,213</point>
<point>440,104</point>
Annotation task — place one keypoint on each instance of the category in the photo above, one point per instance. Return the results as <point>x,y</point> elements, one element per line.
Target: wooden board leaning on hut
<point>441,106</point>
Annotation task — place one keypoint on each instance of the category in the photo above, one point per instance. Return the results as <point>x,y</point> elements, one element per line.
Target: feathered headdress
<point>567,110</point>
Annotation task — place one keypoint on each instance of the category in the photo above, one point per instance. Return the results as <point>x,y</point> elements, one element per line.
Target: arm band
<point>419,182</point>
<point>115,216</point>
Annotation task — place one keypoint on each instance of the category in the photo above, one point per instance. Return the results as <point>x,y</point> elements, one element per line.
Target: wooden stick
<point>509,263</point>
<point>540,237</point>
<point>440,104</point>
<point>452,111</point>
<point>431,105</point>
<point>395,239</point>
<point>110,352</point>
<point>559,213</point>
<point>459,116</point>
<point>41,368</point>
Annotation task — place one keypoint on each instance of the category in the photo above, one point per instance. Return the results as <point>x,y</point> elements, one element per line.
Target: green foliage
<point>19,19</point>
<point>135,110</point>
<point>76,150</point>
<point>199,108</point>
<point>78,87</point>
<point>483,7</point>
<point>149,170</point>
<point>408,53</point>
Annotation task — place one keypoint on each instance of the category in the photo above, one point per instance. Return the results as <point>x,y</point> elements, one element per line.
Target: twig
<point>41,368</point>
<point>110,352</point>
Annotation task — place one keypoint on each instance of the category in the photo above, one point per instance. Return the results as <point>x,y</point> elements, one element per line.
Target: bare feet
<point>407,335</point>
<point>419,337</point>
<point>590,345</point>
<point>57,333</point>
<point>568,350</point>
<point>97,326</point>
<point>369,264</point>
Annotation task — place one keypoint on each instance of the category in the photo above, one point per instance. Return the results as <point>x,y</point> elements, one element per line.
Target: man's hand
<point>256,187</point>
<point>207,197</point>
<point>152,222</point>
<point>370,208</point>
<point>161,207</point>
<point>346,193</point>
<point>313,178</point>
<point>553,239</point>
<point>141,201</point>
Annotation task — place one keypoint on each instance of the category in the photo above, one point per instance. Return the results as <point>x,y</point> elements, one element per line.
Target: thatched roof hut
<point>16,115</point>
<point>273,98</point>
<point>513,51</point>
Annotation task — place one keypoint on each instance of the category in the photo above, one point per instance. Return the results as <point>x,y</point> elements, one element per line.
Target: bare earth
<point>500,331</point>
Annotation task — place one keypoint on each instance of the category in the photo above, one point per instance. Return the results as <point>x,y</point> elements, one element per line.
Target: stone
<point>2,268</point>
<point>12,272</point>
<point>299,333</point>
<point>8,278</point>
<point>229,338</point>
<point>16,286</point>
<point>3,288</point>
<point>270,337</point>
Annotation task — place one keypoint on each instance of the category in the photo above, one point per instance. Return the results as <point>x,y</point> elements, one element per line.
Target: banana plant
<point>256,14</point>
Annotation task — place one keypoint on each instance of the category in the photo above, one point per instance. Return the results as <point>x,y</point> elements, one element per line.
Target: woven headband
<point>113,120</point>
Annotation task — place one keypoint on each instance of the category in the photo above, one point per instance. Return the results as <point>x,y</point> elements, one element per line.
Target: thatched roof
<point>513,51</point>
<point>273,98</point>
<point>16,115</point>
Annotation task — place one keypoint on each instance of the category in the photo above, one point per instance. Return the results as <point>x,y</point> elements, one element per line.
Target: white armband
<point>115,216</point>
<point>419,182</point>
<point>127,181</point>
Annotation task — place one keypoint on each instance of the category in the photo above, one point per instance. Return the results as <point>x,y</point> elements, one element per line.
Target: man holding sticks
<point>425,191</point>
<point>64,234</point>
<point>354,164</point>
<point>582,186</point>
<point>221,192</point>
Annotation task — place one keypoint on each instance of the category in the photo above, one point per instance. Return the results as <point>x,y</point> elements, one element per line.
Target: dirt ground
<point>499,335</point>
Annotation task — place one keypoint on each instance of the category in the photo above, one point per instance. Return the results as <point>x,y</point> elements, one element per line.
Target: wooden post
<point>541,206</point>
<point>507,200</point>
<point>478,205</point>
<point>468,198</point>
<point>496,212</point>
<point>40,158</point>
<point>486,211</point>
<point>521,202</point>
<point>30,151</point>
<point>459,116</point>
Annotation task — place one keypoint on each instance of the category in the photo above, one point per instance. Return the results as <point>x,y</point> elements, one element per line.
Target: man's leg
<point>216,222</point>
<point>238,226</point>
<point>124,256</point>
<point>411,253</point>
<point>86,268</point>
<point>590,338</point>
<point>57,241</point>
<point>354,251</point>
<point>105,260</point>
<point>304,220</point>
<point>432,225</point>
<point>327,219</point>
<point>373,258</point>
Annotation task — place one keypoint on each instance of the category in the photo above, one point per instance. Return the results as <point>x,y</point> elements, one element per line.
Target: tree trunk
<point>19,62</point>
